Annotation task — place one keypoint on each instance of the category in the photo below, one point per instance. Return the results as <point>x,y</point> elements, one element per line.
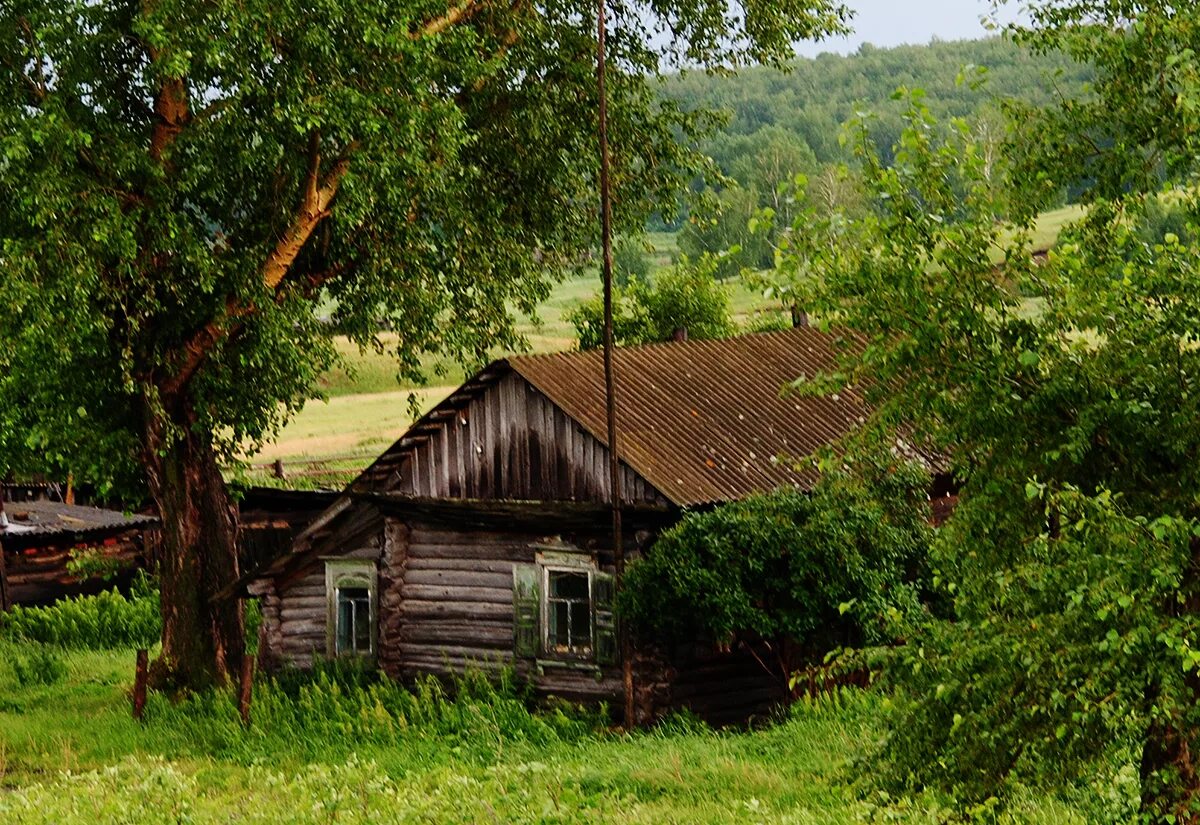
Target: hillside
<point>809,104</point>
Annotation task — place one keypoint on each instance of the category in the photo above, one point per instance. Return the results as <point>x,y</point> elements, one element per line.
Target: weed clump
<point>40,665</point>
<point>107,620</point>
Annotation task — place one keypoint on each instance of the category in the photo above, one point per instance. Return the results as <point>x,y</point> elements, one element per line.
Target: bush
<point>41,665</point>
<point>806,573</point>
<point>106,620</point>
<point>685,296</point>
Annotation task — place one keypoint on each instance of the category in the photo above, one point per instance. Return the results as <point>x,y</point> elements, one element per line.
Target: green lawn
<point>70,753</point>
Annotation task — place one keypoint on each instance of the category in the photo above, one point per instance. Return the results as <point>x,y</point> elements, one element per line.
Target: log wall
<point>38,575</point>
<point>446,605</point>
<point>449,606</point>
<point>302,611</point>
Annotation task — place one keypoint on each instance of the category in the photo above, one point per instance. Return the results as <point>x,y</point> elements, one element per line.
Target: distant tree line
<point>781,124</point>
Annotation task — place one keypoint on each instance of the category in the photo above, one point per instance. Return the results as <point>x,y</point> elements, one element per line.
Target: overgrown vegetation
<point>107,620</point>
<point>1065,392</point>
<point>73,756</point>
<point>790,574</point>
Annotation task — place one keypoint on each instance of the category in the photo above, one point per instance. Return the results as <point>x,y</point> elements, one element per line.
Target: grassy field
<point>368,407</point>
<point>330,753</point>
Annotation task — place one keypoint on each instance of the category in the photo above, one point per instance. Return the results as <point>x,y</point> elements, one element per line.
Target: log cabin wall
<point>295,610</point>
<point>446,604</point>
<point>510,442</point>
<point>36,567</point>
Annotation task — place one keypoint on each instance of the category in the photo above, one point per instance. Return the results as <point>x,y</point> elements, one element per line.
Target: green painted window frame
<point>343,574</point>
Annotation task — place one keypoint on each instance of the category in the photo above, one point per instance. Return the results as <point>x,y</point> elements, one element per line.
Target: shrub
<point>106,620</point>
<point>685,296</point>
<point>40,665</point>
<point>806,573</point>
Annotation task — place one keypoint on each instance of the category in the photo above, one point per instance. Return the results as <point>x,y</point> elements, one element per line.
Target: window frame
<point>576,563</point>
<point>549,649</point>
<point>341,573</point>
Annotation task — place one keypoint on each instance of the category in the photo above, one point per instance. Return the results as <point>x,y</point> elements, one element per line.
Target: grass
<point>332,752</point>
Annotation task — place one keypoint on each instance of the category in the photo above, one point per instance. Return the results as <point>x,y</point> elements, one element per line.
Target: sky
<point>893,22</point>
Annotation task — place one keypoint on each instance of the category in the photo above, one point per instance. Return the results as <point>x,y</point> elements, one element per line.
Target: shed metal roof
<point>44,518</point>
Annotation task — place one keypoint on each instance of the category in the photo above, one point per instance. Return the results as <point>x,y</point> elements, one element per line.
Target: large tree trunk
<point>203,642</point>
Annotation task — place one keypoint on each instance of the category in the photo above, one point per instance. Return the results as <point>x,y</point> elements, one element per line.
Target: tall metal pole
<point>610,377</point>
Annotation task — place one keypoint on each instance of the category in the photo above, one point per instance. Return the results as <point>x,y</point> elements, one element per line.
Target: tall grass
<point>104,621</point>
<point>332,713</point>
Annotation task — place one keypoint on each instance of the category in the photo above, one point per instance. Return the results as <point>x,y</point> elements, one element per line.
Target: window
<point>351,598</point>
<point>562,609</point>
<point>568,613</point>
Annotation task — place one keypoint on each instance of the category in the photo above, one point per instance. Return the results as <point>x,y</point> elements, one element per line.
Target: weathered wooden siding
<point>448,606</point>
<point>37,574</point>
<point>303,610</point>
<point>510,442</point>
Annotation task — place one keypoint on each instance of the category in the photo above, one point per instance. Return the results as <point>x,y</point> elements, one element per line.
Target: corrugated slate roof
<point>707,421</point>
<point>38,518</point>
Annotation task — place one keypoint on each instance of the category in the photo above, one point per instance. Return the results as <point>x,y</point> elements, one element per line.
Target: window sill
<point>577,665</point>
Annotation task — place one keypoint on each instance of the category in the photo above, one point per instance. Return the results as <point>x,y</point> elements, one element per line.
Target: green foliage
<point>37,664</point>
<point>630,263</point>
<point>1064,393</point>
<point>685,296</point>
<point>721,229</point>
<point>106,620</point>
<point>150,273</point>
<point>809,572</point>
<point>93,563</point>
<point>72,756</point>
<point>339,710</point>
<point>806,107</point>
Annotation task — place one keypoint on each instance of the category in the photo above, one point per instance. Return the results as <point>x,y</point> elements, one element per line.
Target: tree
<point>797,574</point>
<point>630,264</point>
<point>1065,394</point>
<point>687,296</point>
<point>721,227</point>
<point>182,182</point>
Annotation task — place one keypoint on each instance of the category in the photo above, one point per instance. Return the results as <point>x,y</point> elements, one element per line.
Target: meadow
<point>340,748</point>
<point>367,408</point>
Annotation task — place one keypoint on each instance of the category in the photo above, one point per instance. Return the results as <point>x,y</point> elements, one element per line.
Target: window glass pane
<point>362,625</point>
<point>559,635</point>
<point>568,585</point>
<point>353,620</point>
<point>581,625</point>
<point>345,625</point>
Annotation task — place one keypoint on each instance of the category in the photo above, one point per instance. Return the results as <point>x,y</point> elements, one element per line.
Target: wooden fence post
<point>140,677</point>
<point>4,604</point>
<point>246,687</point>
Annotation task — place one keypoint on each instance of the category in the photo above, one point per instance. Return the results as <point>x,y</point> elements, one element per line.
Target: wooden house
<point>39,537</point>
<point>482,537</point>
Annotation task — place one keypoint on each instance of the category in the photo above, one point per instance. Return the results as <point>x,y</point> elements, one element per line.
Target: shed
<point>41,536</point>
<point>482,536</point>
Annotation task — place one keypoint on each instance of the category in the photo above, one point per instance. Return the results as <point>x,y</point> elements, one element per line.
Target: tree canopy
<point>1065,391</point>
<point>181,183</point>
